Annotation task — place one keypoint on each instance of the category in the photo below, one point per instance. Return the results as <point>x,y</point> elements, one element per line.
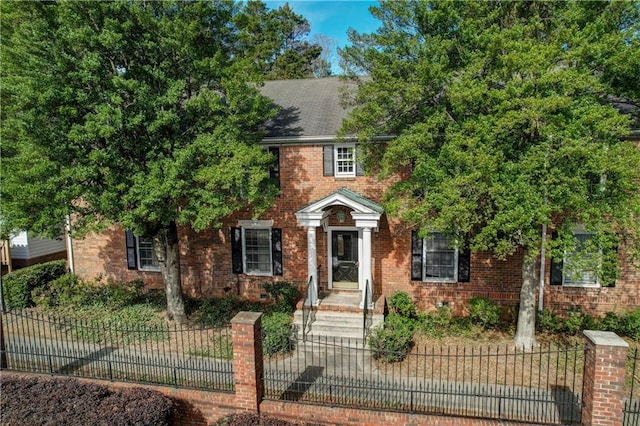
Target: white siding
<point>26,247</point>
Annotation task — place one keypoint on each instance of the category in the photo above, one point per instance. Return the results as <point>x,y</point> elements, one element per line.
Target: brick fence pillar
<point>604,373</point>
<point>248,365</point>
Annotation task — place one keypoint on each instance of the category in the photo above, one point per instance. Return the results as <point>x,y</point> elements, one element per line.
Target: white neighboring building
<point>28,250</point>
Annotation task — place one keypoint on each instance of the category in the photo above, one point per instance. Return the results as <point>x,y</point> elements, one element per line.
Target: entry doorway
<point>344,255</point>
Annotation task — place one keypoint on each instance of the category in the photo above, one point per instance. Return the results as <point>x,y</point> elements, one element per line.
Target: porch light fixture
<point>341,215</point>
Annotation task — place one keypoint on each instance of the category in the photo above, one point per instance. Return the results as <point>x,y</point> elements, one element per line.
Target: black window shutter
<point>359,168</point>
<point>274,170</point>
<point>555,271</point>
<point>327,160</point>
<point>612,283</point>
<point>276,250</point>
<point>131,250</point>
<point>464,266</point>
<point>416,257</point>
<point>236,250</point>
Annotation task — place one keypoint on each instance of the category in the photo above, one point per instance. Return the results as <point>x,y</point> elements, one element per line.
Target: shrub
<point>285,295</point>
<point>276,329</point>
<point>18,285</point>
<point>402,304</point>
<point>630,324</point>
<point>218,312</point>
<point>29,400</point>
<point>577,320</point>
<point>484,311</point>
<point>66,290</point>
<point>548,322</point>
<point>117,294</point>
<point>391,341</point>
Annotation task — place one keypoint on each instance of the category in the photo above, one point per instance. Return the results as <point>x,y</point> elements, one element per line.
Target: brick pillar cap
<point>246,318</point>
<point>605,338</point>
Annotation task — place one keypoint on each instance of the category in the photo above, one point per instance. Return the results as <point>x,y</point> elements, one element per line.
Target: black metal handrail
<point>366,320</point>
<point>306,308</point>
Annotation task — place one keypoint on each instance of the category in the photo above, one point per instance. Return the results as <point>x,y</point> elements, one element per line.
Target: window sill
<point>149,269</point>
<point>581,285</point>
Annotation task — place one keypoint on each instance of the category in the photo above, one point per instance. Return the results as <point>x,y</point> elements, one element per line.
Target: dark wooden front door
<point>344,250</point>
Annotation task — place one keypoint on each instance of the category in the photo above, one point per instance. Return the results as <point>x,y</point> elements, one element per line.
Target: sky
<point>333,18</point>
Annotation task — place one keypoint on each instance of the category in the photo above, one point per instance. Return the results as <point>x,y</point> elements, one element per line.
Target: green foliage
<point>285,296</point>
<point>69,291</point>
<point>402,304</point>
<point>484,311</point>
<point>630,324</point>
<point>577,320</point>
<point>18,285</point>
<point>503,122</point>
<point>218,312</point>
<point>276,329</point>
<point>391,341</point>
<point>547,321</point>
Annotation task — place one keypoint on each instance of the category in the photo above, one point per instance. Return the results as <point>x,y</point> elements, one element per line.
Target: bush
<point>276,329</point>
<point>402,304</point>
<point>66,290</point>
<point>484,312</point>
<point>391,341</point>
<point>31,400</point>
<point>18,285</point>
<point>576,321</point>
<point>548,322</point>
<point>218,312</point>
<point>285,296</point>
<point>630,324</point>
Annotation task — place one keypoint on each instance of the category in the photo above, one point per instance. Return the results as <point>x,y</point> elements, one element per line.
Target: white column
<point>366,267</point>
<point>312,265</point>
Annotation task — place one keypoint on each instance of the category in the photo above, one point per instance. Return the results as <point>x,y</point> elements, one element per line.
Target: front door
<point>344,253</point>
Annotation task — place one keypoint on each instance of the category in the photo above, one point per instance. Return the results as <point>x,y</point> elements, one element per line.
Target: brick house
<point>329,224</point>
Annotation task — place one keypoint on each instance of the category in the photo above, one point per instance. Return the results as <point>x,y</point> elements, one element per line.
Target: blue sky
<point>334,18</point>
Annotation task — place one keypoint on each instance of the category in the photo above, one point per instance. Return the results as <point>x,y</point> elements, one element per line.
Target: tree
<point>138,113</point>
<point>502,113</point>
<point>322,64</point>
<point>275,42</point>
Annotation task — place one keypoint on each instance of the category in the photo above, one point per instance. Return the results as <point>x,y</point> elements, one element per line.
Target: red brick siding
<point>206,256</point>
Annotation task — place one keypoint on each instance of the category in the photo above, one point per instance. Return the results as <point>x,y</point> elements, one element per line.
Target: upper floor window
<point>345,160</point>
<point>256,248</point>
<point>140,253</point>
<point>434,259</point>
<point>340,160</point>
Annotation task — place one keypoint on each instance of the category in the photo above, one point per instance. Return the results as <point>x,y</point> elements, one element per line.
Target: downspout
<point>542,265</point>
<point>69,245</point>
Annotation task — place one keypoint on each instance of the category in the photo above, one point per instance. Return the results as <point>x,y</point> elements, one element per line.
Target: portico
<point>349,248</point>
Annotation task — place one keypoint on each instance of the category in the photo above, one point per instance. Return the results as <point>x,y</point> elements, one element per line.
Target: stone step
<point>335,324</point>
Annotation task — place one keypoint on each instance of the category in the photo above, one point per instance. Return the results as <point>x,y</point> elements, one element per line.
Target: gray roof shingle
<point>308,107</point>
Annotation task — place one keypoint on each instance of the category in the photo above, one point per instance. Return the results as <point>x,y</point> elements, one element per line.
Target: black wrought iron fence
<point>542,386</point>
<point>631,407</point>
<point>194,357</point>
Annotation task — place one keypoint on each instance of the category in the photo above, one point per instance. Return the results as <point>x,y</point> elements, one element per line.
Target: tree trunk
<point>165,245</point>
<point>525,331</point>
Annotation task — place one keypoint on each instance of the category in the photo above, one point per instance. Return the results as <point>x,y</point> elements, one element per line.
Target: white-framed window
<point>345,160</point>
<point>435,259</point>
<point>440,260</point>
<point>578,266</point>
<point>147,260</point>
<point>256,248</point>
<point>257,251</point>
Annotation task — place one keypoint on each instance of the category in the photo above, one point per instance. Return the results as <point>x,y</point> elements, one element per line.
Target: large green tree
<point>275,40</point>
<point>505,114</point>
<point>138,113</point>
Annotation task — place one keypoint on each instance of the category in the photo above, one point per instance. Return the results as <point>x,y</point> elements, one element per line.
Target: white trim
<point>255,223</point>
<point>424,264</point>
<point>338,146</point>
<point>138,264</point>
<point>255,227</point>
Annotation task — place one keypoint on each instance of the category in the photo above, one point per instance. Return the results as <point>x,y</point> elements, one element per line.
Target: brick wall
<point>206,256</point>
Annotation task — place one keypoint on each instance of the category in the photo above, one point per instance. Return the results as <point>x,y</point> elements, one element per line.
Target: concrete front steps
<point>334,325</point>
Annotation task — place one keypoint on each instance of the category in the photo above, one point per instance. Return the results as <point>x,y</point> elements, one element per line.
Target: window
<point>433,259</point>
<point>577,269</point>
<point>146,256</point>
<point>274,169</point>
<point>140,254</point>
<point>256,248</point>
<point>339,160</point>
<point>345,161</point>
